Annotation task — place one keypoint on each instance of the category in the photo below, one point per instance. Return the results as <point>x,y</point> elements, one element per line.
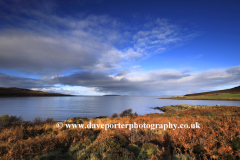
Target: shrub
<point>126,112</point>
<point>147,150</point>
<point>53,155</point>
<point>133,115</point>
<point>3,150</point>
<point>207,113</point>
<point>117,140</point>
<point>111,141</point>
<point>236,144</point>
<point>6,121</point>
<point>198,149</point>
<point>229,157</point>
<point>38,120</point>
<point>49,120</point>
<point>114,115</point>
<point>135,149</point>
<point>182,157</point>
<point>118,153</point>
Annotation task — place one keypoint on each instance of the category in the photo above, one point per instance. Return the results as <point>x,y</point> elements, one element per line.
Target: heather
<point>217,138</point>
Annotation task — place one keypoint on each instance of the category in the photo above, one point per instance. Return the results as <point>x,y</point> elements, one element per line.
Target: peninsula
<point>232,94</point>
<point>20,92</point>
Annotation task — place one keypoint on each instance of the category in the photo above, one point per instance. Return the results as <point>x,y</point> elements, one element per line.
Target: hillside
<point>234,90</point>
<point>19,92</point>
<point>232,94</point>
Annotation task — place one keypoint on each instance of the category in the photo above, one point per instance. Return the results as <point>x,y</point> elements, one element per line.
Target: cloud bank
<point>134,83</point>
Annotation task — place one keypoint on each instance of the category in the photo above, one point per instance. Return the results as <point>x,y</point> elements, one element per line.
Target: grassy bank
<point>227,97</point>
<point>217,138</point>
<point>184,107</point>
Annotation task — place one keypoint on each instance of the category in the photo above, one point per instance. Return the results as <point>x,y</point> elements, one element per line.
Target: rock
<point>75,120</point>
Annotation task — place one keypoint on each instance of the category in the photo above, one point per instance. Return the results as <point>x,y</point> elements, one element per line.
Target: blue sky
<point>136,47</point>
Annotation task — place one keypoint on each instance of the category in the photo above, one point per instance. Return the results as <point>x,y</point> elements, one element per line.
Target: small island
<point>232,94</point>
<point>20,92</point>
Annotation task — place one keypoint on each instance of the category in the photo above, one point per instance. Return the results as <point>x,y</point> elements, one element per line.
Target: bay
<point>62,108</point>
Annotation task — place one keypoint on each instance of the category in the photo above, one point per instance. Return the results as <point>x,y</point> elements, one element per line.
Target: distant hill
<point>232,94</point>
<point>19,92</point>
<point>235,90</point>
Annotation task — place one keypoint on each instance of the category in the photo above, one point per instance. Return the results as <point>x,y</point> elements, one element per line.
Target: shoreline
<point>184,107</point>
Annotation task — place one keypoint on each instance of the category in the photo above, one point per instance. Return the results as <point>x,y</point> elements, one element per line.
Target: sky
<point>126,47</point>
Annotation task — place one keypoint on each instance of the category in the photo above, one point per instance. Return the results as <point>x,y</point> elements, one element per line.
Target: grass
<point>183,107</point>
<point>227,96</point>
<point>224,96</point>
<point>217,138</point>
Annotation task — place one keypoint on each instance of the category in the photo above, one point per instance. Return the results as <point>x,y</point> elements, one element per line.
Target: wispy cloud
<point>39,43</point>
<point>160,35</point>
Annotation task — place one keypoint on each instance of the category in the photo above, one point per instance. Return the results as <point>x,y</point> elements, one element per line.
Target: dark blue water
<point>62,108</point>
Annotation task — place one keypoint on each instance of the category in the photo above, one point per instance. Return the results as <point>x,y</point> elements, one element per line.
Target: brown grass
<point>217,138</point>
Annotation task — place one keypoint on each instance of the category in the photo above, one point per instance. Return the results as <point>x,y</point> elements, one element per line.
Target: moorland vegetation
<point>217,138</point>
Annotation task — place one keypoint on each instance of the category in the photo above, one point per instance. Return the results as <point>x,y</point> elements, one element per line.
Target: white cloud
<point>130,54</point>
<point>77,90</point>
<point>160,35</point>
<point>167,81</point>
<point>50,44</point>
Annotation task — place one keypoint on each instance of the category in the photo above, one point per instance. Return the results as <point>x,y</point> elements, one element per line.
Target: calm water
<point>62,108</point>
